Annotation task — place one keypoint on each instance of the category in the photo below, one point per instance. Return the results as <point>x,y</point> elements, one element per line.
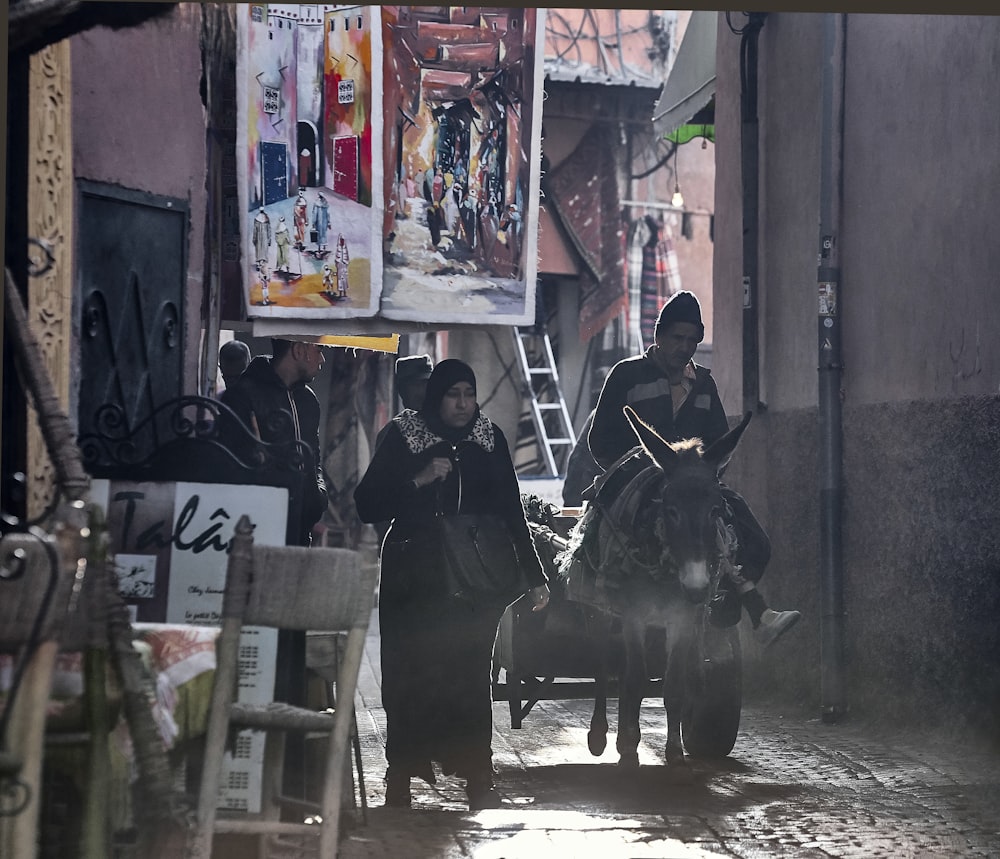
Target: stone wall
<point>921,559</point>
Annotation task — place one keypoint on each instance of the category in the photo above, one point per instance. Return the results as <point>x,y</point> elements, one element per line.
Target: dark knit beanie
<point>413,368</point>
<point>682,306</point>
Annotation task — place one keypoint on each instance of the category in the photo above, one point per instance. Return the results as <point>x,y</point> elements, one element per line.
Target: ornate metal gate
<point>132,269</point>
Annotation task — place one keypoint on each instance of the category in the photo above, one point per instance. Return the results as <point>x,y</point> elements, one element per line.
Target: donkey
<point>675,549</point>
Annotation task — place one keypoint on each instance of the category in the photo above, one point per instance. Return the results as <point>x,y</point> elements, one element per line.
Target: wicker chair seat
<point>279,716</point>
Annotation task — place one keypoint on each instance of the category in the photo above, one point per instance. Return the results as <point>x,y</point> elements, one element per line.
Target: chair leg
<point>272,775</point>
<point>96,841</point>
<point>333,787</point>
<point>331,700</point>
<point>200,842</point>
<point>361,770</point>
<point>19,834</point>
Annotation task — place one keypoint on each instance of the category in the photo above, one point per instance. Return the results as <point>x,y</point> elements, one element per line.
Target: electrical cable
<point>656,166</point>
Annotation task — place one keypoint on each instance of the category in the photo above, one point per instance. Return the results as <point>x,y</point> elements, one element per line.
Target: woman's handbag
<point>481,562</point>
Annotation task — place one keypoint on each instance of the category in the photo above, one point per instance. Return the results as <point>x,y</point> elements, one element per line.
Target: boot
<point>725,609</point>
<point>397,789</point>
<point>773,624</point>
<point>481,793</point>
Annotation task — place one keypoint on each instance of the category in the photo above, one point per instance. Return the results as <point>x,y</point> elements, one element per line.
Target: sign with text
<point>171,546</point>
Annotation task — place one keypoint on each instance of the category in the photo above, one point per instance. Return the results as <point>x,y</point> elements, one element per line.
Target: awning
<point>690,85</point>
<point>318,331</point>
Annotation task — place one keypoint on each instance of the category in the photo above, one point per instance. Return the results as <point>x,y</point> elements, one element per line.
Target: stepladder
<point>549,418</point>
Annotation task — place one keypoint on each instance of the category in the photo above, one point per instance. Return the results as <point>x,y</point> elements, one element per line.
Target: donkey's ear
<point>721,451</point>
<point>657,448</point>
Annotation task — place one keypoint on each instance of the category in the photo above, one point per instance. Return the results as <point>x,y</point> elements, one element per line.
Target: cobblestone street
<point>793,786</point>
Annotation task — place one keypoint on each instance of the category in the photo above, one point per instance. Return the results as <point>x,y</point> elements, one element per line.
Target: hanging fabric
<point>661,276</point>
<point>638,234</point>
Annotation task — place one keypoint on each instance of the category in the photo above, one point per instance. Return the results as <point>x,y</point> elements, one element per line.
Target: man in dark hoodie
<point>273,400</point>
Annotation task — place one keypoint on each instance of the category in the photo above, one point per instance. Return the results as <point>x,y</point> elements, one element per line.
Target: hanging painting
<point>461,150</point>
<point>436,225</point>
<point>311,190</point>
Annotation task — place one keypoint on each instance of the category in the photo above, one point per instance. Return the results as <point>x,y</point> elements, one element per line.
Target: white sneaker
<point>774,624</point>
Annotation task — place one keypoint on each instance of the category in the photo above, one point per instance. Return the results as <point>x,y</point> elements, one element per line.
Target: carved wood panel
<point>50,216</point>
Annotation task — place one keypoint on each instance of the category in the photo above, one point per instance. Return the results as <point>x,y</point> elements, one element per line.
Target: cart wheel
<point>711,724</point>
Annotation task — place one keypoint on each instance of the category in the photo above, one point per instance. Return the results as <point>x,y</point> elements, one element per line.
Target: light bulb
<point>677,201</point>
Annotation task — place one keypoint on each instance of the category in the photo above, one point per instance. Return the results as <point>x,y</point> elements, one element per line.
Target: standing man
<point>300,217</point>
<point>680,399</point>
<point>321,222</point>
<point>261,238</point>
<point>275,403</point>
<point>234,358</point>
<point>342,261</point>
<point>282,239</point>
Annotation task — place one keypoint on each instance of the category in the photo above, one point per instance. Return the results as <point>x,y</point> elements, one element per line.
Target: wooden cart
<point>552,655</point>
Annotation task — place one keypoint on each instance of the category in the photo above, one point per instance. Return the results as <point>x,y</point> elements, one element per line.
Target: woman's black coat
<point>482,480</point>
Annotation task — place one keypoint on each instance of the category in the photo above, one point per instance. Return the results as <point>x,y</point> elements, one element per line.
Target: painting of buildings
<point>461,153</point>
<point>311,188</point>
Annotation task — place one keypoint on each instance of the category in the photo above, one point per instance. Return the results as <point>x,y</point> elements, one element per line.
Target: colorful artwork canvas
<point>438,224</point>
<point>462,153</point>
<point>311,186</point>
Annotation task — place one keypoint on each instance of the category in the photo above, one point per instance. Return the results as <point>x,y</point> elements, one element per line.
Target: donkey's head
<point>690,501</point>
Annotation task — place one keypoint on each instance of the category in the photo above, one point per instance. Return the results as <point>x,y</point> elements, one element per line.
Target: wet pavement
<point>793,786</point>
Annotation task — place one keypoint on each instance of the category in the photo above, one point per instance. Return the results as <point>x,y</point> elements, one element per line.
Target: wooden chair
<point>318,589</point>
<point>33,599</point>
<point>51,600</point>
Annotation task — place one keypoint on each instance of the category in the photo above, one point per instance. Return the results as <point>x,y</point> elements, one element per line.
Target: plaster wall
<point>921,194</point>
<point>139,123</point>
<point>918,253</point>
<point>490,353</point>
<point>918,242</point>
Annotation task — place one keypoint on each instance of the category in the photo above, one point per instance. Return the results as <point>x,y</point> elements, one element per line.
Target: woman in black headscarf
<point>437,647</point>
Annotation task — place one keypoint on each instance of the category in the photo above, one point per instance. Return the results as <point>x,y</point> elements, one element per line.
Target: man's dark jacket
<point>640,383</point>
<point>278,415</point>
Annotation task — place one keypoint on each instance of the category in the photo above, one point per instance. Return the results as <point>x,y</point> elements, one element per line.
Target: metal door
<point>345,166</point>
<point>132,269</point>
<point>274,169</point>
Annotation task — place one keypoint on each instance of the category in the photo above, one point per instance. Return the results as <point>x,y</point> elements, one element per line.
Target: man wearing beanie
<point>680,399</point>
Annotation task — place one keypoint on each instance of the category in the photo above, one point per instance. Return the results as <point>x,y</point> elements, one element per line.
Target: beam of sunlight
<point>576,834</point>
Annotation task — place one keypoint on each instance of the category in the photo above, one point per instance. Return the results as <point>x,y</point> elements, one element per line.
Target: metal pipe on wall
<point>750,164</point>
<point>832,662</point>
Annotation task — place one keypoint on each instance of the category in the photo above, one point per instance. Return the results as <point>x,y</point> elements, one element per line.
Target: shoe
<point>482,794</point>
<point>397,790</point>
<point>483,799</point>
<point>773,624</point>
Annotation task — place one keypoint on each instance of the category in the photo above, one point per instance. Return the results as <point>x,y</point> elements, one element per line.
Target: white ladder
<point>540,378</point>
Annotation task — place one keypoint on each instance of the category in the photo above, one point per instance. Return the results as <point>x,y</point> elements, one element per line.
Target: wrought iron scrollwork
<point>116,446</point>
<point>15,794</point>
